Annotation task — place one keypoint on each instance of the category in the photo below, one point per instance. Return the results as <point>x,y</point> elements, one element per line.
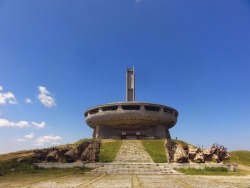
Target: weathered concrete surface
<point>132,151</point>
<point>133,169</point>
<point>131,119</point>
<point>142,181</point>
<point>60,165</point>
<point>87,151</point>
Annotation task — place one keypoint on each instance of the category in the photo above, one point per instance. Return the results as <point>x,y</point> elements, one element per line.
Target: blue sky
<point>59,58</point>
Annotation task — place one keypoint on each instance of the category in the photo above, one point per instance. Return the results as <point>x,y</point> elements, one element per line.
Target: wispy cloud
<point>137,1</point>
<point>28,101</point>
<point>47,139</point>
<point>30,136</point>
<point>20,140</point>
<point>7,123</point>
<point>26,137</point>
<point>7,98</point>
<point>39,125</point>
<point>45,97</point>
<point>21,124</point>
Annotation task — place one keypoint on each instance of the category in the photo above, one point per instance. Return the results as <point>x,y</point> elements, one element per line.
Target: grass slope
<point>16,155</point>
<point>156,150</point>
<point>211,171</point>
<point>27,167</point>
<point>109,149</point>
<point>240,157</point>
<point>26,177</point>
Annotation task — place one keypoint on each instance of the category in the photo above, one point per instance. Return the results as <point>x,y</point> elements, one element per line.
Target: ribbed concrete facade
<point>154,132</point>
<point>131,119</point>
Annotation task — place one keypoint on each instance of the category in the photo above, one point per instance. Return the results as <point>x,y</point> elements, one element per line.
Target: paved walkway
<point>141,181</point>
<point>132,151</point>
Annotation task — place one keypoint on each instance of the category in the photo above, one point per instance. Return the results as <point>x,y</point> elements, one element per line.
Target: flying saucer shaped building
<point>131,119</point>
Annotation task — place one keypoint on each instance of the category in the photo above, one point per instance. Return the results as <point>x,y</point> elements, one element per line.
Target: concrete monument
<point>131,119</point>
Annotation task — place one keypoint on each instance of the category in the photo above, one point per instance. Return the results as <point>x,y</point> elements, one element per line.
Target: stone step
<point>112,168</point>
<point>132,151</point>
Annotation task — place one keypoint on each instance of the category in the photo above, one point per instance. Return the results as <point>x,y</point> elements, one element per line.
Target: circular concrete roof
<point>131,115</point>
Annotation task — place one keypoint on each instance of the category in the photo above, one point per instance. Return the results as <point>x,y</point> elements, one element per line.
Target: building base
<point>157,132</point>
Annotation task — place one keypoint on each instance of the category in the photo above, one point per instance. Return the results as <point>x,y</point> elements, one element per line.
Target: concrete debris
<point>179,153</point>
<point>87,151</point>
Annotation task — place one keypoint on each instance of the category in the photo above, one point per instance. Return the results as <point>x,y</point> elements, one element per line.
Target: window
<point>110,108</point>
<point>94,111</point>
<point>152,108</point>
<point>131,107</point>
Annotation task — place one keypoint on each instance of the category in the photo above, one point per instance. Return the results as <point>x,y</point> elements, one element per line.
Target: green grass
<point>240,157</point>
<point>81,140</point>
<point>23,177</point>
<point>156,150</point>
<point>26,166</point>
<point>29,153</point>
<point>16,155</point>
<point>109,149</point>
<point>182,142</point>
<point>212,171</point>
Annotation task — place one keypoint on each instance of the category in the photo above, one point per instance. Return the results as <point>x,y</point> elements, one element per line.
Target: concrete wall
<point>108,132</point>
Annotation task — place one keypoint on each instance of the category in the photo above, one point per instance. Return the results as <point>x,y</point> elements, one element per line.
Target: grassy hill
<point>109,148</point>
<point>240,157</point>
<point>16,155</point>
<point>154,147</point>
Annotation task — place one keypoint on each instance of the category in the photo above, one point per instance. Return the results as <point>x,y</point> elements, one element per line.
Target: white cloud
<point>39,125</point>
<point>7,123</point>
<point>30,136</point>
<point>45,97</point>
<point>20,140</point>
<point>28,101</point>
<point>7,97</point>
<point>21,124</point>
<point>137,1</point>
<point>47,139</point>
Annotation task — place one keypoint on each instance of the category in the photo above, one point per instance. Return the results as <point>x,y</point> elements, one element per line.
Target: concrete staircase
<point>132,151</point>
<point>132,159</point>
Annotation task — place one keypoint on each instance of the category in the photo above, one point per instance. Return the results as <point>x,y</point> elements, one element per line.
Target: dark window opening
<point>86,114</point>
<point>131,107</point>
<point>110,108</point>
<point>168,110</point>
<point>94,111</point>
<point>152,108</point>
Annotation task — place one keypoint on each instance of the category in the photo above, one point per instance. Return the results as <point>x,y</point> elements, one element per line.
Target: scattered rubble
<point>87,151</point>
<point>179,153</point>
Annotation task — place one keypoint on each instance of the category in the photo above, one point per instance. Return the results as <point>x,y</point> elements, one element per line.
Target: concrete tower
<point>130,84</point>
